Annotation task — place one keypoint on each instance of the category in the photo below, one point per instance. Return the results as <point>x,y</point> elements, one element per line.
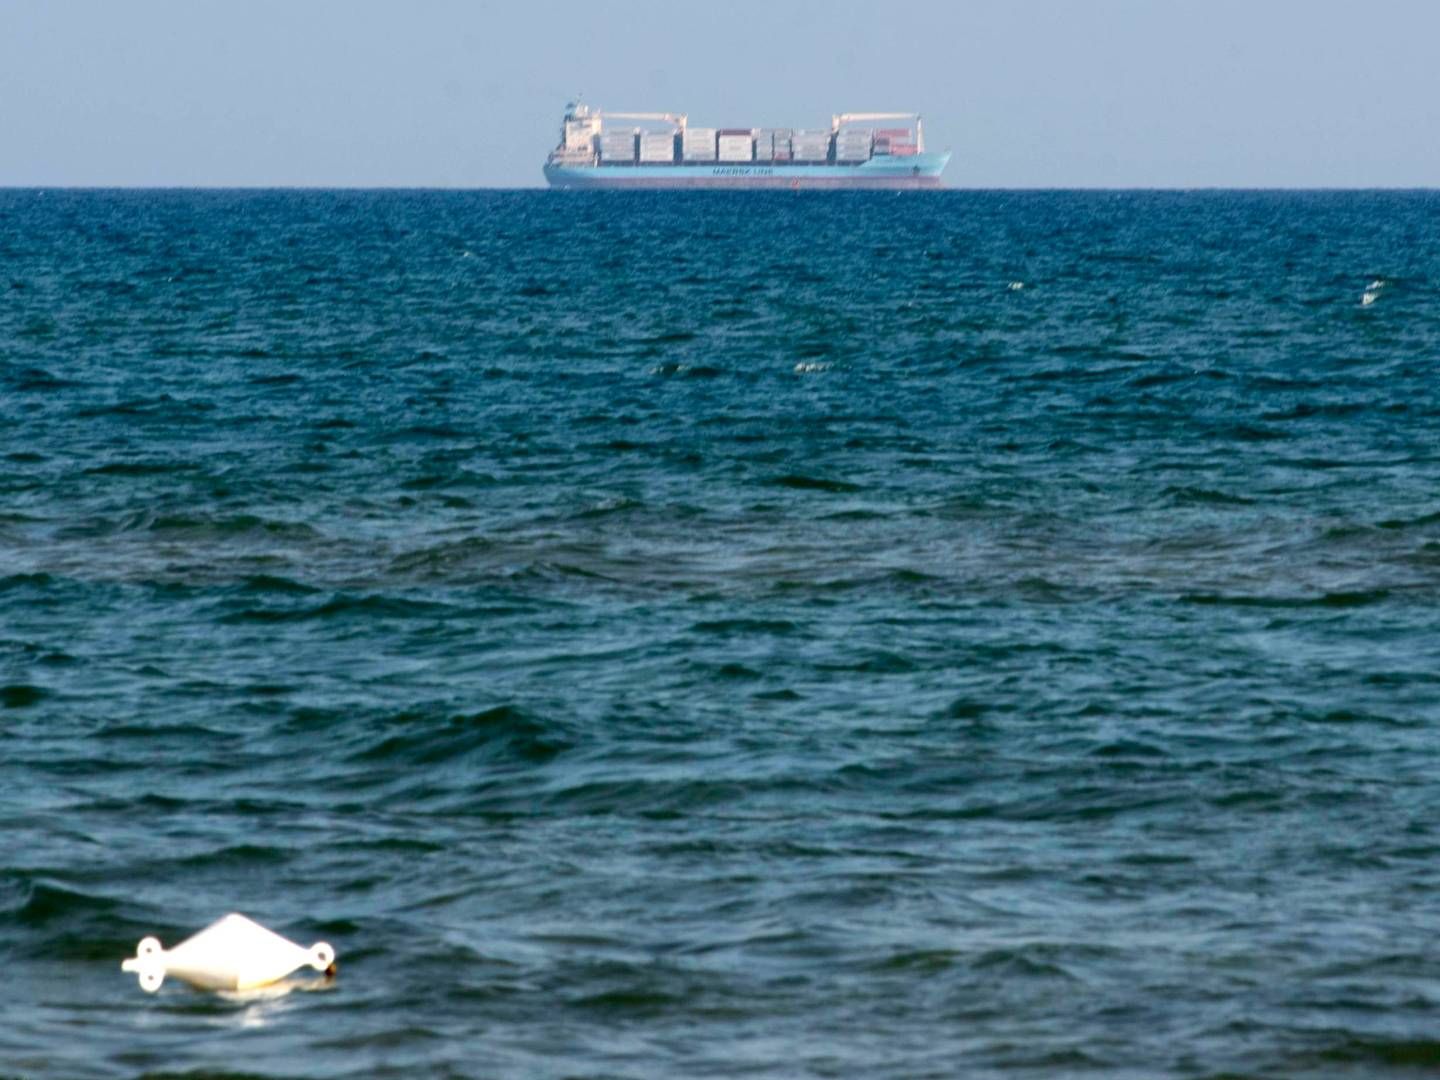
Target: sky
<point>467,93</point>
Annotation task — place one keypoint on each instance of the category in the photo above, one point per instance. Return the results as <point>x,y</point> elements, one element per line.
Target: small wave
<point>342,606</point>
<point>239,525</point>
<point>688,371</point>
<point>745,626</point>
<point>153,732</point>
<point>876,663</point>
<point>800,482</point>
<point>1339,600</point>
<point>1424,520</point>
<point>31,380</point>
<point>1159,378</point>
<point>1191,496</point>
<point>140,468</point>
<point>1032,961</point>
<point>1305,411</point>
<point>270,583</point>
<point>1394,1053</point>
<point>735,671</point>
<point>21,695</point>
<point>44,903</point>
<point>64,923</point>
<point>164,406</point>
<point>504,731</point>
<point>1250,433</point>
<point>1128,748</point>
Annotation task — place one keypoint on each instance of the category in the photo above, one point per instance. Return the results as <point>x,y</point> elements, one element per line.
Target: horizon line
<point>541,187</point>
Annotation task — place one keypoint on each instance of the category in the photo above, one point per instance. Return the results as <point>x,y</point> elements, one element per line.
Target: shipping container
<point>617,146</point>
<point>764,147</point>
<point>699,144</point>
<point>736,148</point>
<point>655,148</point>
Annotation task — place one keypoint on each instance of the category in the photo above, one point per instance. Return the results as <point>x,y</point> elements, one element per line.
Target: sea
<point>723,634</point>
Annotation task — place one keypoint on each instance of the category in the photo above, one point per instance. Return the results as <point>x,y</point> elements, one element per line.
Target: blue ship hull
<point>885,172</point>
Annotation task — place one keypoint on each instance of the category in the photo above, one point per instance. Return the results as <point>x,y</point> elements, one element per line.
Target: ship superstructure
<point>662,150</point>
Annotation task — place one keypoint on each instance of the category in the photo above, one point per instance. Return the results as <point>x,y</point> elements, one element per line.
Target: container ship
<point>662,150</point>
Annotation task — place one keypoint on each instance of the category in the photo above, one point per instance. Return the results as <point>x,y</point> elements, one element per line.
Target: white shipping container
<point>764,147</point>
<point>613,149</point>
<point>735,144</point>
<point>699,144</point>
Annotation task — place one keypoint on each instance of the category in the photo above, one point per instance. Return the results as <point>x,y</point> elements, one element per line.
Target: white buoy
<point>233,953</point>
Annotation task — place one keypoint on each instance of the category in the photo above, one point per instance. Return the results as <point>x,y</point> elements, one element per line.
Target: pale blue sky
<point>1028,93</point>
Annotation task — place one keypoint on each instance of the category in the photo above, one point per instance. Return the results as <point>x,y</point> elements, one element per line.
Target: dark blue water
<point>724,634</point>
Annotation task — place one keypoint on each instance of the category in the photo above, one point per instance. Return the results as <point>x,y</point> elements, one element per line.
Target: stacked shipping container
<point>657,147</point>
<point>699,144</point>
<point>810,146</point>
<point>772,144</point>
<point>736,145</point>
<point>853,144</point>
<point>617,146</point>
<point>848,145</point>
<point>896,141</point>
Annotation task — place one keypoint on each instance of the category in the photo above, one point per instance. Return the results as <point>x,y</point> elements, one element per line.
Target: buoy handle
<point>147,964</point>
<point>321,955</point>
